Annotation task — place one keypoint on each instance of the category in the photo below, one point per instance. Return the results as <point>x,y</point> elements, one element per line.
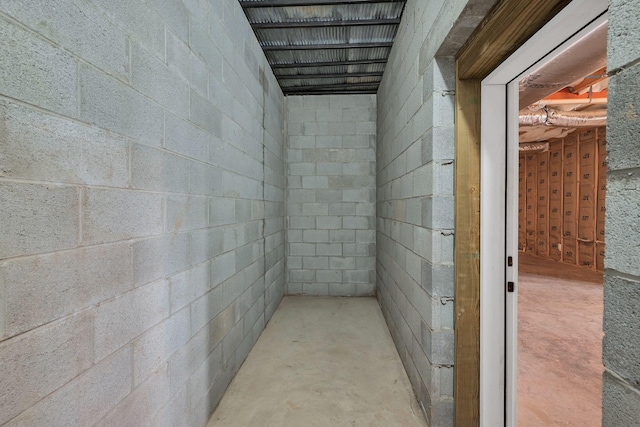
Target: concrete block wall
<point>621,344</point>
<point>415,149</point>
<point>331,195</point>
<point>142,201</point>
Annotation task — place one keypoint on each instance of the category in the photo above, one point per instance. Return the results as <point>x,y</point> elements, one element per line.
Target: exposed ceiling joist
<point>250,4</point>
<point>330,63</point>
<point>328,46</point>
<point>328,76</point>
<point>328,86</point>
<point>322,24</point>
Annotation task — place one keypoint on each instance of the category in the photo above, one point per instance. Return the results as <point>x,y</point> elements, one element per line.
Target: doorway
<point>499,278</point>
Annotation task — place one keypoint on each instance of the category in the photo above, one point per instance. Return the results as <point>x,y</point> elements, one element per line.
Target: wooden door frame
<point>507,26</point>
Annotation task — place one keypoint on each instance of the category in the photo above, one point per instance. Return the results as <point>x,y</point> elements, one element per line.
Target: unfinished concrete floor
<point>559,345</point>
<point>321,362</point>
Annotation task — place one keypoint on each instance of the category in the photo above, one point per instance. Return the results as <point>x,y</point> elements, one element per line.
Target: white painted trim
<point>499,213</point>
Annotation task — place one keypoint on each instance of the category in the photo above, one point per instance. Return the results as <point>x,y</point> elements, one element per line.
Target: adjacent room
<point>562,178</point>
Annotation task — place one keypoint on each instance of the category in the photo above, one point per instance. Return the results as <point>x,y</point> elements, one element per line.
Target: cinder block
<point>139,406</point>
<point>356,276</point>
<point>621,324</point>
<point>315,101</point>
<point>358,141</point>
<point>366,236</point>
<point>175,14</point>
<point>330,276</point>
<point>125,317</point>
<point>189,285</point>
<point>414,211</point>
<point>174,411</point>
<point>438,345</point>
<point>185,361</point>
<point>184,138</point>
<point>159,257</point>
<point>37,218</point>
<point>342,289</point>
<point>365,289</point>
<point>334,141</point>
<point>331,249</point>
<point>366,208</point>
<point>328,196</point>
<point>221,211</point>
<point>302,222</point>
<point>152,350</point>
<point>329,168</point>
<point>359,195</point>
<point>315,263</point>
<point>620,401</point>
<point>357,249</point>
<point>153,169</point>
<point>206,180</point>
<point>202,379</point>
<point>184,62</point>
<point>315,182</point>
<point>342,236</point>
<point>205,114</point>
<point>437,144</point>
<point>622,130</point>
<point>437,212</point>
<point>27,360</point>
<point>243,210</point>
<point>151,76</point>
<point>302,169</point>
<point>223,267</point>
<point>294,236</point>
<point>342,263</point>
<point>303,276</point>
<point>109,104</point>
<point>328,222</point>
<point>302,249</point>
<point>206,308</point>
<point>624,34</point>
<point>203,45</point>
<point>302,115</point>
<point>316,236</point>
<point>146,27</point>
<point>315,289</point>
<point>74,280</point>
<point>81,28</point>
<point>315,209</point>
<point>206,244</point>
<point>328,114</point>
<point>437,279</point>
<point>231,342</point>
<point>294,262</point>
<point>87,398</point>
<point>623,196</point>
<point>34,71</point>
<point>355,222</point>
<point>43,147</point>
<point>186,213</point>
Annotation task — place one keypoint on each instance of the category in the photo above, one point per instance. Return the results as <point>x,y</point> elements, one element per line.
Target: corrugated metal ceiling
<point>325,46</point>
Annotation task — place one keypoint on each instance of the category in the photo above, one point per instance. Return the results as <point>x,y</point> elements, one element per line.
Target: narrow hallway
<point>321,361</point>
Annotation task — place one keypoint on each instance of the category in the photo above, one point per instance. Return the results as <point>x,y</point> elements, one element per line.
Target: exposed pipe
<point>568,101</point>
<point>548,117</point>
<point>582,59</point>
<point>534,147</point>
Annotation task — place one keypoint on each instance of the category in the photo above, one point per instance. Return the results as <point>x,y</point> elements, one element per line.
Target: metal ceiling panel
<point>350,12</point>
<point>343,69</point>
<point>326,46</point>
